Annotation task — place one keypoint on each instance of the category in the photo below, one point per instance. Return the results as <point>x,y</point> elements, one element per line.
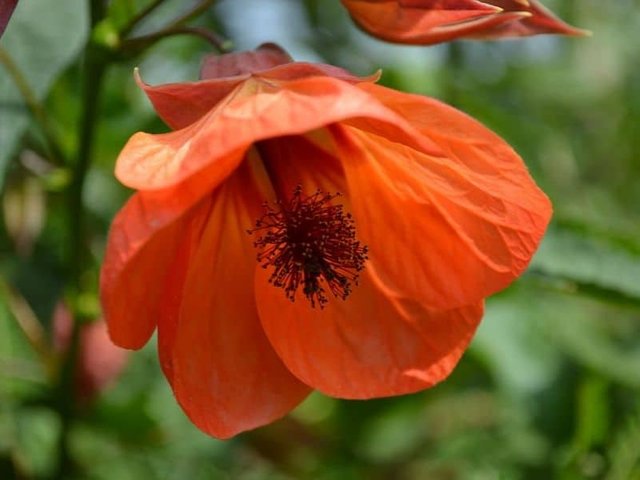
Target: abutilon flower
<point>427,22</point>
<point>302,228</point>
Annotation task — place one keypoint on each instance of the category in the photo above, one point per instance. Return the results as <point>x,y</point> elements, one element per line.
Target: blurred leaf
<point>37,433</point>
<point>24,209</point>
<point>592,265</point>
<point>511,329</point>
<point>624,454</point>
<point>584,332</point>
<point>44,36</point>
<point>393,435</point>
<point>593,413</point>
<point>20,371</point>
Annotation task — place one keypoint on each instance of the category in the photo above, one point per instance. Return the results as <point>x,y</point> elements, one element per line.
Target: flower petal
<point>451,230</point>
<point>223,370</point>
<point>540,20</point>
<point>233,64</point>
<point>143,243</point>
<point>376,343</point>
<point>380,341</point>
<point>429,21</point>
<point>257,110</point>
<point>141,250</point>
<point>420,21</point>
<point>181,104</point>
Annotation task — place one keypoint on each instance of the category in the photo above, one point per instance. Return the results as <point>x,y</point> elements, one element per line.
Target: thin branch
<point>193,13</point>
<point>133,23</point>
<point>140,43</point>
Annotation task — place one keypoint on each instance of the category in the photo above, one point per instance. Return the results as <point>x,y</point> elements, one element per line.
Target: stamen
<point>310,244</point>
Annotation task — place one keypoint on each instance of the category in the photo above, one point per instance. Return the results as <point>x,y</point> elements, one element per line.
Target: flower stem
<point>133,23</point>
<point>141,43</point>
<point>198,9</point>
<point>138,44</point>
<point>93,69</point>
<point>454,64</point>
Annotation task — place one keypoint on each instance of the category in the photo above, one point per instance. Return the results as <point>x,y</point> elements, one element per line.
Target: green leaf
<point>624,453</point>
<point>590,264</point>
<point>43,38</point>
<point>511,329</point>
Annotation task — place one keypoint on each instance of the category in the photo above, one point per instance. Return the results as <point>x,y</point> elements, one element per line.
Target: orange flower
<point>387,279</point>
<point>427,22</point>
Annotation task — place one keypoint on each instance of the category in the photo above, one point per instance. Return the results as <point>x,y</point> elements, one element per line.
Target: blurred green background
<point>550,388</point>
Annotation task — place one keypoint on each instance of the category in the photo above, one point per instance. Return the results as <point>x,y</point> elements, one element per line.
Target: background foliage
<point>550,386</point>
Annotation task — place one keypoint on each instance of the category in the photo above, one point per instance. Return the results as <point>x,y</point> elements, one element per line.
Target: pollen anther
<point>311,244</point>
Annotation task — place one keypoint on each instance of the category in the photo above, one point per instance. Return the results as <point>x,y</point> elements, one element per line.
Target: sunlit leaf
<point>43,38</point>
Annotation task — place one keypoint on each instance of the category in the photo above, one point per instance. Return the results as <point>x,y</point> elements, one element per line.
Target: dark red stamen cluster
<point>312,244</point>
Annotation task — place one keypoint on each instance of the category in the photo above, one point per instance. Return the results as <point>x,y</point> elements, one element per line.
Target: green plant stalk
<point>137,45</point>
<point>140,44</point>
<point>454,65</point>
<point>93,74</point>
<point>95,63</point>
<point>93,70</point>
<point>79,252</point>
<point>196,11</point>
<point>133,23</point>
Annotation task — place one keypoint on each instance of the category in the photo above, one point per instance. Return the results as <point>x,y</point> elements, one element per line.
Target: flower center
<point>311,244</point>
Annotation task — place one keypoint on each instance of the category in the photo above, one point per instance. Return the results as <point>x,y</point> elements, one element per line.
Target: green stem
<point>139,44</point>
<point>133,23</point>
<point>135,46</point>
<point>453,67</point>
<point>193,13</point>
<point>78,254</point>
<point>35,107</point>
<point>94,67</point>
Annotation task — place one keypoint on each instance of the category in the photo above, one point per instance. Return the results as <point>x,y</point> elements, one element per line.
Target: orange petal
<point>257,110</point>
<point>539,20</point>
<point>471,219</point>
<point>141,249</point>
<point>223,370</point>
<point>418,21</point>
<point>427,21</point>
<point>143,242</point>
<point>181,104</point>
<point>380,341</point>
<point>375,343</point>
